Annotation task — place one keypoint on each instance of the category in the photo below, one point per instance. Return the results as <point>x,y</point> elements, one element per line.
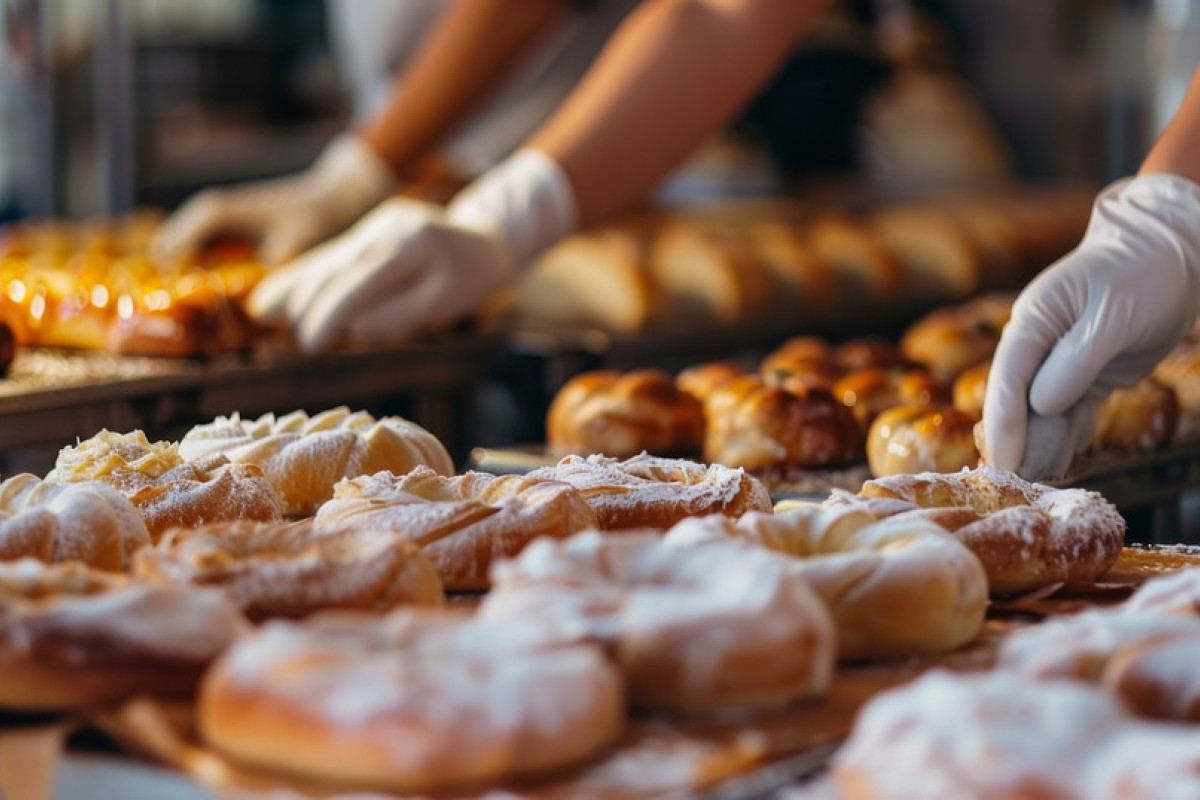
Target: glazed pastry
<point>621,415</point>
<point>869,392</point>
<point>1139,419</point>
<point>921,438</point>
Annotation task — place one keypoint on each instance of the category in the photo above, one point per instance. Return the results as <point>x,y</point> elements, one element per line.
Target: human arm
<point>463,57</point>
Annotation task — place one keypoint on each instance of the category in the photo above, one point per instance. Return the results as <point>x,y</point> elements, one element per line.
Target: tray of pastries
<point>813,416</point>
<point>304,605</point>
<point>94,285</point>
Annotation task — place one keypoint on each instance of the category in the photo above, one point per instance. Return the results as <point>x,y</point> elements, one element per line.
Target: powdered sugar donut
<point>692,627</point>
<point>71,636</point>
<point>293,569</point>
<point>993,736</point>
<point>303,457</point>
<point>650,492</point>
<point>894,588</point>
<point>413,702</point>
<point>1026,535</point>
<point>1174,593</point>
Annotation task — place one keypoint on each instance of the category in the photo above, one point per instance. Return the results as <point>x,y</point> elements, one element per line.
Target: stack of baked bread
<point>909,408</point>
<point>1099,705</point>
<point>94,285</point>
<point>730,265</point>
<point>213,564</point>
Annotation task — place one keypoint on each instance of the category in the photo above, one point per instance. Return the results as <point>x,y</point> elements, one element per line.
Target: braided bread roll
<point>898,587</point>
<point>87,522</point>
<point>303,457</point>
<point>760,428</point>
<point>620,415</point>
<point>461,524</point>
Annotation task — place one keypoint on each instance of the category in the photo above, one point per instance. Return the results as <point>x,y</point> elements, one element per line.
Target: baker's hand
<point>408,265</point>
<point>286,215</point>
<point>1102,317</point>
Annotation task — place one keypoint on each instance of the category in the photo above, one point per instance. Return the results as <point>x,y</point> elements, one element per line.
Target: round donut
<point>871,391</point>
<point>762,428</point>
<point>1138,419</point>
<point>990,736</point>
<point>461,524</point>
<point>651,492</point>
<point>294,569</point>
<point>303,457</point>
<point>702,380</point>
<point>86,522</point>
<point>621,415</point>
<point>692,627</point>
<point>1026,535</point>
<point>71,636</point>
<point>166,490</point>
<point>1145,661</point>
<point>899,587</point>
<point>418,701</point>
<point>920,438</point>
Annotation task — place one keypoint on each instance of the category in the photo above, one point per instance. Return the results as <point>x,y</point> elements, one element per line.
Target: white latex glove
<point>286,215</point>
<point>1102,317</point>
<point>409,265</point>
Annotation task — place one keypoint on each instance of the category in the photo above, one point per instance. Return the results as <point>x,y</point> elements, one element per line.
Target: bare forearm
<point>466,53</point>
<point>676,71</point>
<point>1177,151</point>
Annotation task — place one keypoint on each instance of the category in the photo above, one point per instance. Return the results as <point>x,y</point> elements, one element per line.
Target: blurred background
<point>110,104</point>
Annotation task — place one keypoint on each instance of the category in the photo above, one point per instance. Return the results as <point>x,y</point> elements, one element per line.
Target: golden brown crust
<point>868,352</point>
<point>1138,419</point>
<point>938,258</point>
<point>462,524</point>
<point>72,637</point>
<point>708,271</point>
<point>649,492</point>
<point>864,267</point>
<point>294,569</point>
<point>703,379</point>
<point>761,428</point>
<point>414,702</point>
<point>1026,535</point>
<point>908,439</point>
<point>950,340</point>
<point>869,392</point>
<point>970,388</point>
<point>620,415</point>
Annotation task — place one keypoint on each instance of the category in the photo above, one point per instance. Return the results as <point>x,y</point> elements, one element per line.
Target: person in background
<point>1104,315</point>
<point>441,92</point>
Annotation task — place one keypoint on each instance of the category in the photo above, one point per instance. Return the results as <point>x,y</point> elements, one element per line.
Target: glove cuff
<point>356,175</point>
<point>526,203</point>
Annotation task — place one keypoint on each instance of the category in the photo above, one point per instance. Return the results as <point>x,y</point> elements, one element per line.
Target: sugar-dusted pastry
<point>718,625</point>
<point>293,569</point>
<point>415,702</point>
<point>168,491</point>
<point>87,522</point>
<point>71,636</point>
<point>462,524</point>
<point>650,492</point>
<point>303,456</point>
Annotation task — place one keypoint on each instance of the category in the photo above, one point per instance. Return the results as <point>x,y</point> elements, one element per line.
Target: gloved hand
<point>285,215</point>
<point>1102,317</point>
<point>409,265</point>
